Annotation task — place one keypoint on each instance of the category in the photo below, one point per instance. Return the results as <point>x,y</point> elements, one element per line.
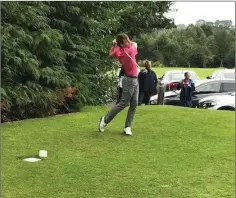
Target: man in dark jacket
<point>147,84</point>
<point>187,87</point>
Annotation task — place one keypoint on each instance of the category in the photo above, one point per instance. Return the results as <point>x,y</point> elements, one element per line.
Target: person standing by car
<point>147,84</point>
<point>187,87</point>
<point>125,51</point>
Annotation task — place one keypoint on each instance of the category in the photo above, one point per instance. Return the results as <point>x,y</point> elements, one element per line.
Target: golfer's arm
<point>114,51</point>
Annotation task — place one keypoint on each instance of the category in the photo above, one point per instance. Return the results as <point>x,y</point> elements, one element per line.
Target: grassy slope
<point>174,153</point>
<point>201,72</point>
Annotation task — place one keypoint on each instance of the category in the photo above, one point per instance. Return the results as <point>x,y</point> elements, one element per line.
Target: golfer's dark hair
<point>121,37</point>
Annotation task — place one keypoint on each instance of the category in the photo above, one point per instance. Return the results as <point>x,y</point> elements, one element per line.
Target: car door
<point>174,100</point>
<point>205,90</point>
<point>228,87</point>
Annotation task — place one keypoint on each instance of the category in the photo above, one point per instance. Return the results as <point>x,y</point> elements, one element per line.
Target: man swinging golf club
<point>121,76</point>
<point>125,51</point>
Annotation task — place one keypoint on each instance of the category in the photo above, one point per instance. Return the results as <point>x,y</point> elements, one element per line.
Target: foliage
<point>195,46</point>
<point>54,55</point>
<point>50,47</point>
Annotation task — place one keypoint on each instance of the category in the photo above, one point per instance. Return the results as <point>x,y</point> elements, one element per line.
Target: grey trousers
<point>130,92</point>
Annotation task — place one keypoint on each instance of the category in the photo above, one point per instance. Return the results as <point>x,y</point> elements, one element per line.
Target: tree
<point>207,30</point>
<point>144,17</point>
<point>223,41</point>
<point>55,55</point>
<point>32,61</point>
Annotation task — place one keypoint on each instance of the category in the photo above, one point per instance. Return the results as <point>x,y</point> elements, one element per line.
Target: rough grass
<point>173,153</point>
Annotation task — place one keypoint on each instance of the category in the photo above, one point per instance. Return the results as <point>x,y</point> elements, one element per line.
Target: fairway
<point>201,72</point>
<point>170,155</point>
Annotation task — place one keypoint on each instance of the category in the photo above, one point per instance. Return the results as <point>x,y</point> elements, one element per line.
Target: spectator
<point>147,84</point>
<point>187,87</point>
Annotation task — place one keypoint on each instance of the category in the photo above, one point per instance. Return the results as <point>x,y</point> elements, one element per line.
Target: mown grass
<point>173,153</point>
<point>201,72</point>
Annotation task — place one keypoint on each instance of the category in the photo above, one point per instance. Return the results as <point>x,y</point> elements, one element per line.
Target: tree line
<point>54,55</point>
<point>193,46</point>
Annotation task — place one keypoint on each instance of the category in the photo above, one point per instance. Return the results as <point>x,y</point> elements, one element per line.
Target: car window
<point>218,75</point>
<point>229,75</point>
<point>212,87</point>
<point>176,77</point>
<point>228,87</point>
<point>214,74</point>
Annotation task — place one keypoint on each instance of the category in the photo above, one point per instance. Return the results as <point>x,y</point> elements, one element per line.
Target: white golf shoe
<point>102,124</point>
<point>128,131</point>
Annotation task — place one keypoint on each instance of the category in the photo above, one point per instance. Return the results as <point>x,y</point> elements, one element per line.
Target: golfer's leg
<point>119,93</point>
<point>133,105</point>
<point>124,102</point>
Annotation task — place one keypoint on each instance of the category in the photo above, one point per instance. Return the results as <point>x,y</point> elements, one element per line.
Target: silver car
<point>223,74</point>
<point>219,102</point>
<point>170,79</point>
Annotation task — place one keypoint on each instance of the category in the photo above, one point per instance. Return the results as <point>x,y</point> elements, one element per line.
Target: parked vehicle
<point>170,79</point>
<point>223,102</point>
<point>203,89</point>
<point>223,74</point>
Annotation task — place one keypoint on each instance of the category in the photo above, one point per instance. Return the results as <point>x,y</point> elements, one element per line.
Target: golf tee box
<point>43,153</point>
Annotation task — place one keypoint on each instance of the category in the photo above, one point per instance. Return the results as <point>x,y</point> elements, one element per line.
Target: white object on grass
<point>31,159</point>
<point>43,153</point>
<point>120,81</point>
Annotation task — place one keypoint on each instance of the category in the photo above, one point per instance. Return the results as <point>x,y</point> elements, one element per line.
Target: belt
<point>131,76</point>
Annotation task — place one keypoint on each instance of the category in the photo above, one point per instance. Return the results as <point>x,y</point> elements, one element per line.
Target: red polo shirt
<point>130,66</point>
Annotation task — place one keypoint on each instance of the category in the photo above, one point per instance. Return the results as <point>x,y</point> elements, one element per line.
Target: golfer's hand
<point>114,42</point>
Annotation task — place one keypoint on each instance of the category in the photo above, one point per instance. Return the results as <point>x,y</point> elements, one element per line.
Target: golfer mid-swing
<point>125,51</point>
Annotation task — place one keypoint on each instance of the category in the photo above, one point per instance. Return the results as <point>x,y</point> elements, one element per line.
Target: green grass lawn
<point>201,72</point>
<point>173,153</point>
